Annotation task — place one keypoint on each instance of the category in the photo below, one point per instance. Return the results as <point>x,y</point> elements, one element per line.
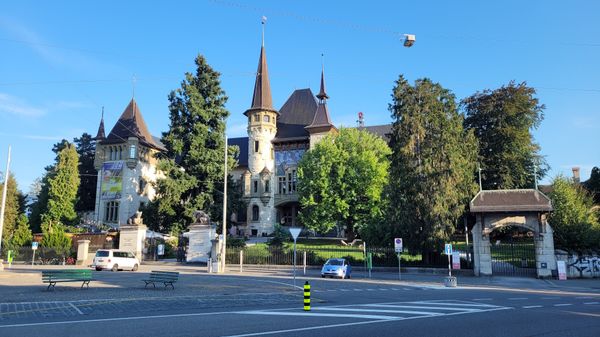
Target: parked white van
<point>115,260</point>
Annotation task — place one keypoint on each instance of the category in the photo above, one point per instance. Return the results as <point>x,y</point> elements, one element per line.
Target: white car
<point>115,260</point>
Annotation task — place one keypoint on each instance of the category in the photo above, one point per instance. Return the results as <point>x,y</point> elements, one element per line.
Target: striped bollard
<point>306,296</point>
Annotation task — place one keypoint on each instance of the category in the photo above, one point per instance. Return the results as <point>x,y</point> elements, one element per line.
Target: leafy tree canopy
<point>12,208</point>
<point>574,219</point>
<point>593,184</point>
<point>22,236</point>
<point>86,194</point>
<point>502,120</point>
<point>341,181</point>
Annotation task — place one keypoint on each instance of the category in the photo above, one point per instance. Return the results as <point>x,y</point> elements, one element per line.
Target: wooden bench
<point>52,277</point>
<point>165,277</point>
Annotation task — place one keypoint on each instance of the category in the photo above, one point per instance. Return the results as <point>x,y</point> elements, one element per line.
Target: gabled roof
<point>242,143</point>
<point>297,112</point>
<point>261,99</point>
<point>523,200</point>
<point>132,124</point>
<point>384,131</point>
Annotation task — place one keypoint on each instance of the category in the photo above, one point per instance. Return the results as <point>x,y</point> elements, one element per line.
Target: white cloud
<point>14,106</point>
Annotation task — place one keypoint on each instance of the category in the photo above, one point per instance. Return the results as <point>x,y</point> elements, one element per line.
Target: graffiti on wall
<point>584,266</point>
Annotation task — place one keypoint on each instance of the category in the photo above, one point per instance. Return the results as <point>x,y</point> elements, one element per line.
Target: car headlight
<point>340,271</point>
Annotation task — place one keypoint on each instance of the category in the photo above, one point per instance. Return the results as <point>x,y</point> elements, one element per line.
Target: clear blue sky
<point>61,61</point>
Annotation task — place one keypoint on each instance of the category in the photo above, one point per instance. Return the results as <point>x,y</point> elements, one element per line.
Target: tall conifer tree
<point>432,165</point>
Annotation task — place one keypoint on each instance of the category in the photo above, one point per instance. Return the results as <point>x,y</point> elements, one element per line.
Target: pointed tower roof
<point>132,124</point>
<point>261,100</point>
<point>322,121</point>
<point>100,135</point>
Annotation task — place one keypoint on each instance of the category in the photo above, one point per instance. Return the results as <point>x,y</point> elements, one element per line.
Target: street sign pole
<point>448,251</point>
<point>295,231</point>
<point>399,267</point>
<point>398,248</point>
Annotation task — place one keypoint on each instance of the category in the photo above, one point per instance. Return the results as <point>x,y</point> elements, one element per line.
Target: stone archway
<point>521,208</point>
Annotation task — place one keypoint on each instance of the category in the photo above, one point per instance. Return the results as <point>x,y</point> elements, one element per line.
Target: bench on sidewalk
<point>52,277</point>
<point>165,277</point>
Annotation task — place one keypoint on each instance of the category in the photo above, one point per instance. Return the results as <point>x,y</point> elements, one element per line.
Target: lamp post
<point>224,231</point>
<point>6,177</point>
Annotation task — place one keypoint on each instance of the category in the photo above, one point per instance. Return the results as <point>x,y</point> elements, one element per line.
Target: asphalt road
<point>208,305</point>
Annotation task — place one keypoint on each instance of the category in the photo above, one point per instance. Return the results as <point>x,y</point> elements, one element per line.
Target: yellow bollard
<point>306,296</point>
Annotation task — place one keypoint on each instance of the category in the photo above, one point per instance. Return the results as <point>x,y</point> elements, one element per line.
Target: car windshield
<point>102,253</point>
<point>334,262</point>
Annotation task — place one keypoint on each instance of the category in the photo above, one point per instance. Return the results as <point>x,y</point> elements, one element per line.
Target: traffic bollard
<point>306,296</point>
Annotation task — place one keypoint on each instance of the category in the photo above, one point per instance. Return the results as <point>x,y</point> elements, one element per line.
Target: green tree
<point>502,120</point>
<point>574,219</point>
<point>12,208</point>
<point>62,190</point>
<point>593,184</point>
<point>57,239</point>
<point>195,147</point>
<point>340,181</point>
<point>432,165</point>
<point>22,236</point>
<point>86,194</point>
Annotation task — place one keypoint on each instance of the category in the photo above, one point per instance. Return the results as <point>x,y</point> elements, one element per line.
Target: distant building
<point>126,165</point>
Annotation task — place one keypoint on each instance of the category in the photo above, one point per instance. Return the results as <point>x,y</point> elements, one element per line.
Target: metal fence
<point>43,256</point>
<point>317,255</point>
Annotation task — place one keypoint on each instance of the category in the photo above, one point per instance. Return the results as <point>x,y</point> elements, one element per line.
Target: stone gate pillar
<point>133,235</point>
<point>83,247</point>
<point>544,252</point>
<point>482,257</point>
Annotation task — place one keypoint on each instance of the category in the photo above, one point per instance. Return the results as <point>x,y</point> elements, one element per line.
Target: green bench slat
<point>166,277</point>
<point>73,275</point>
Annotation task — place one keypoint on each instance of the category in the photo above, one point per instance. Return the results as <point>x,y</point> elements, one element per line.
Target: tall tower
<point>321,125</point>
<point>262,127</point>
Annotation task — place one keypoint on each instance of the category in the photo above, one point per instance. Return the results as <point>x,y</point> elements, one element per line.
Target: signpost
<point>562,270</point>
<point>34,247</point>
<point>161,249</point>
<point>369,263</point>
<point>398,249</point>
<point>448,251</point>
<point>295,231</point>
<point>456,260</point>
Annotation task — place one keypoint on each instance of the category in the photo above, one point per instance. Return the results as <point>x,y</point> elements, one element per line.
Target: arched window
<point>255,213</point>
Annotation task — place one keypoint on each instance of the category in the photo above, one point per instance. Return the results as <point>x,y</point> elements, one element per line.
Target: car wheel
<point>98,268</point>
<point>323,276</point>
<point>115,267</point>
<point>135,267</point>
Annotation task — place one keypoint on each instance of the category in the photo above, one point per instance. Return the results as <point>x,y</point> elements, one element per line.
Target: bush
<point>236,242</point>
<point>279,236</point>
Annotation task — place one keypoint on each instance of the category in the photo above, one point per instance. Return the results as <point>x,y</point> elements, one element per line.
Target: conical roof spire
<point>261,100</point>
<point>100,135</point>
<point>322,95</point>
<point>132,124</point>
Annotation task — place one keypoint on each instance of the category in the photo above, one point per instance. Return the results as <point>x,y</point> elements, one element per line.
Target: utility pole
<point>6,175</point>
<point>224,231</point>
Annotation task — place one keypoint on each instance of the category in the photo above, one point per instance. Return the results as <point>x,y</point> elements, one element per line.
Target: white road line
<point>410,312</point>
<point>283,313</point>
<point>517,298</point>
<point>307,328</point>
<point>357,289</point>
<point>452,304</point>
<point>591,303</point>
<point>112,319</point>
<point>532,306</point>
<point>584,297</point>
<point>563,305</point>
<point>481,299</point>
<point>76,308</point>
<point>370,289</point>
<point>418,307</point>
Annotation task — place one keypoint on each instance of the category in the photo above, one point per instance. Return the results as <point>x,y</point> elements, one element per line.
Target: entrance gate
<point>513,258</point>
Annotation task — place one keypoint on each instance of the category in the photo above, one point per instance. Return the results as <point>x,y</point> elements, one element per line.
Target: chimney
<point>576,178</point>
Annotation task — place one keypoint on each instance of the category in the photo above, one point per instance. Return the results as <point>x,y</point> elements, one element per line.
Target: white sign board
<point>295,231</point>
<point>398,245</point>
<point>34,245</point>
<point>448,249</point>
<point>161,249</point>
<point>455,260</point>
<point>562,270</point>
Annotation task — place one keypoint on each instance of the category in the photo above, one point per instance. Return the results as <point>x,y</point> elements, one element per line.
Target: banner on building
<point>112,180</point>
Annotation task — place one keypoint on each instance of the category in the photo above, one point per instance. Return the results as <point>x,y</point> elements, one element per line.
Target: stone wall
<point>580,265</point>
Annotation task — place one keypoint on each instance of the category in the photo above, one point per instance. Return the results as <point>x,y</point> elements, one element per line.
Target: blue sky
<point>61,61</point>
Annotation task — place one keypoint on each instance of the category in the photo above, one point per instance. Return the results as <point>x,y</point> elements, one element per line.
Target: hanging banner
<point>112,180</point>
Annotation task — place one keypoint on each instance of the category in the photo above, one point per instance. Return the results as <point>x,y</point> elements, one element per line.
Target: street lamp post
<point>6,177</point>
<point>224,231</point>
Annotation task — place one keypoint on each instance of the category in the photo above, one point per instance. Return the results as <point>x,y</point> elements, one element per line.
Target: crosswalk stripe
<point>284,313</point>
<point>386,311</point>
<point>454,304</point>
<point>419,307</point>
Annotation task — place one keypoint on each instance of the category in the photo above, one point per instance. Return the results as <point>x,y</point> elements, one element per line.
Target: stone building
<point>126,165</point>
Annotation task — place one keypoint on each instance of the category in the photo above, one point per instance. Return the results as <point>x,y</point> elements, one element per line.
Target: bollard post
<point>241,261</point>
<point>304,262</point>
<point>306,296</point>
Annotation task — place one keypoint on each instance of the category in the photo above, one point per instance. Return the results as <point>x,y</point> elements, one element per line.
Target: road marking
<point>112,319</point>
<point>548,298</point>
<point>76,309</point>
<point>344,289</point>
<point>584,297</point>
<point>418,307</point>
<point>532,306</point>
<point>517,298</point>
<point>591,303</point>
<point>562,305</point>
<point>284,313</point>
<point>370,289</point>
<point>411,312</point>
<point>357,289</point>
<point>481,299</point>
<point>455,304</point>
